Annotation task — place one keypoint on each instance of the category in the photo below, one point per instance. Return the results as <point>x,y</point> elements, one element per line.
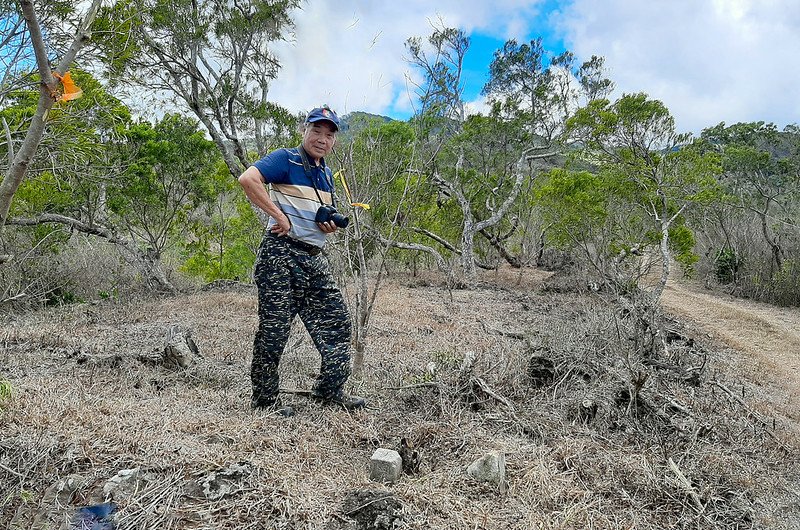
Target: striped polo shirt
<point>292,191</point>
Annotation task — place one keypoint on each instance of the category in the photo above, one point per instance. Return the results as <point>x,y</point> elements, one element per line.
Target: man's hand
<point>282,227</point>
<point>328,227</point>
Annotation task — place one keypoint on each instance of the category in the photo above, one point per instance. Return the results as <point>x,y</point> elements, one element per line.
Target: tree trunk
<point>775,247</point>
<point>514,261</point>
<point>471,228</point>
<point>468,252</point>
<point>236,162</point>
<point>665,262</point>
<point>362,302</point>
<point>19,166</point>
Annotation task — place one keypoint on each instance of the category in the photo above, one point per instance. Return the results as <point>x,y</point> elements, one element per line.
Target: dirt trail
<point>768,333</point>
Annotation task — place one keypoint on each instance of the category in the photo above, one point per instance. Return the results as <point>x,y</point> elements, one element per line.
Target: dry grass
<point>84,406</point>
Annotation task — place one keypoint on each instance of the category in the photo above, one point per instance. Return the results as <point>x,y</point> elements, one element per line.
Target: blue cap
<point>323,113</point>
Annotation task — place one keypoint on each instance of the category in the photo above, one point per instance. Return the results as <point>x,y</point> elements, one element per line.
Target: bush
<point>786,284</point>
<point>223,247</point>
<point>726,266</point>
<point>6,391</point>
<point>76,269</point>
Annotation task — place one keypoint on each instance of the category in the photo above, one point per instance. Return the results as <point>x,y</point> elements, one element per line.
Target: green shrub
<point>210,256</point>
<point>786,284</point>
<point>63,296</point>
<point>726,265</point>
<point>6,391</point>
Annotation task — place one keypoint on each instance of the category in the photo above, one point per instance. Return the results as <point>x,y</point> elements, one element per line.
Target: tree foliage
<point>608,179</point>
<point>441,62</point>
<point>224,236</point>
<point>753,239</point>
<point>656,171</point>
<point>214,56</point>
<point>20,156</point>
<point>543,90</point>
<point>167,173</point>
<point>761,168</point>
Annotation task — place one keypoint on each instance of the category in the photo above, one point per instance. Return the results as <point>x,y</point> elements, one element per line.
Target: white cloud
<point>478,106</point>
<point>707,60</point>
<point>350,53</point>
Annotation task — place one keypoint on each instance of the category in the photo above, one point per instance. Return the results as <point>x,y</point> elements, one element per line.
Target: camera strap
<point>310,175</point>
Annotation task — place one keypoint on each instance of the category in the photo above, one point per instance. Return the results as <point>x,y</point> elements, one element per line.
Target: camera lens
<point>327,213</point>
<point>340,220</point>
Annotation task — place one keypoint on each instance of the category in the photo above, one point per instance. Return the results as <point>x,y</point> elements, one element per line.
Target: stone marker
<point>489,468</point>
<point>385,465</point>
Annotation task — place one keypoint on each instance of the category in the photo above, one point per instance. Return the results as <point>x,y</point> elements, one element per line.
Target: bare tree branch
<point>449,246</point>
<point>440,261</point>
<point>140,258</point>
<point>10,141</point>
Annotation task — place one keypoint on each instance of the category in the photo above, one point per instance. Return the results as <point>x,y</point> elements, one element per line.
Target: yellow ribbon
<point>340,174</point>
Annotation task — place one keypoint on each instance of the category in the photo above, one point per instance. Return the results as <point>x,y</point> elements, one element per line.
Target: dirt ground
<point>769,334</point>
<point>593,435</point>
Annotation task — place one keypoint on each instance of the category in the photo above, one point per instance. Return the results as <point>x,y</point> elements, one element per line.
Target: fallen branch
<point>739,400</point>
<point>13,298</point>
<point>687,486</point>
<point>486,388</point>
<point>681,408</point>
<point>755,415</point>
<point>373,501</point>
<point>11,471</point>
<point>428,384</point>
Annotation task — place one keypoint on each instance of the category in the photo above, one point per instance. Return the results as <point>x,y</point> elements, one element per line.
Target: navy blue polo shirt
<point>292,191</point>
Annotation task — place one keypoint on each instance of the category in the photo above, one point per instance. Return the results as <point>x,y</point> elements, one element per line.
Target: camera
<point>328,213</point>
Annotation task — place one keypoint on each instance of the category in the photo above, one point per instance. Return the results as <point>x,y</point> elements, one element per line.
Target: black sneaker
<point>273,408</point>
<point>341,399</point>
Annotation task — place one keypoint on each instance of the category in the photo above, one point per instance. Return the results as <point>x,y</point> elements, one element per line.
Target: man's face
<point>318,139</point>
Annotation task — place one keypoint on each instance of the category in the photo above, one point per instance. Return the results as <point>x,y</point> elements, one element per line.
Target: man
<point>292,275</point>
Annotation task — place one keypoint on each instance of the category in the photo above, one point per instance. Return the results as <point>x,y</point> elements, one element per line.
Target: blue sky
<point>354,49</point>
<point>707,60</point>
<point>484,43</point>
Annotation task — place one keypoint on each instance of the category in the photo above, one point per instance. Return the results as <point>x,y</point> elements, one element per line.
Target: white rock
<point>489,468</point>
<point>385,466</point>
<point>125,484</point>
<point>224,482</point>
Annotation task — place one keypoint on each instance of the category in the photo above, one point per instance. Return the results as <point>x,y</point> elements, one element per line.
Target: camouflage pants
<point>293,282</point>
